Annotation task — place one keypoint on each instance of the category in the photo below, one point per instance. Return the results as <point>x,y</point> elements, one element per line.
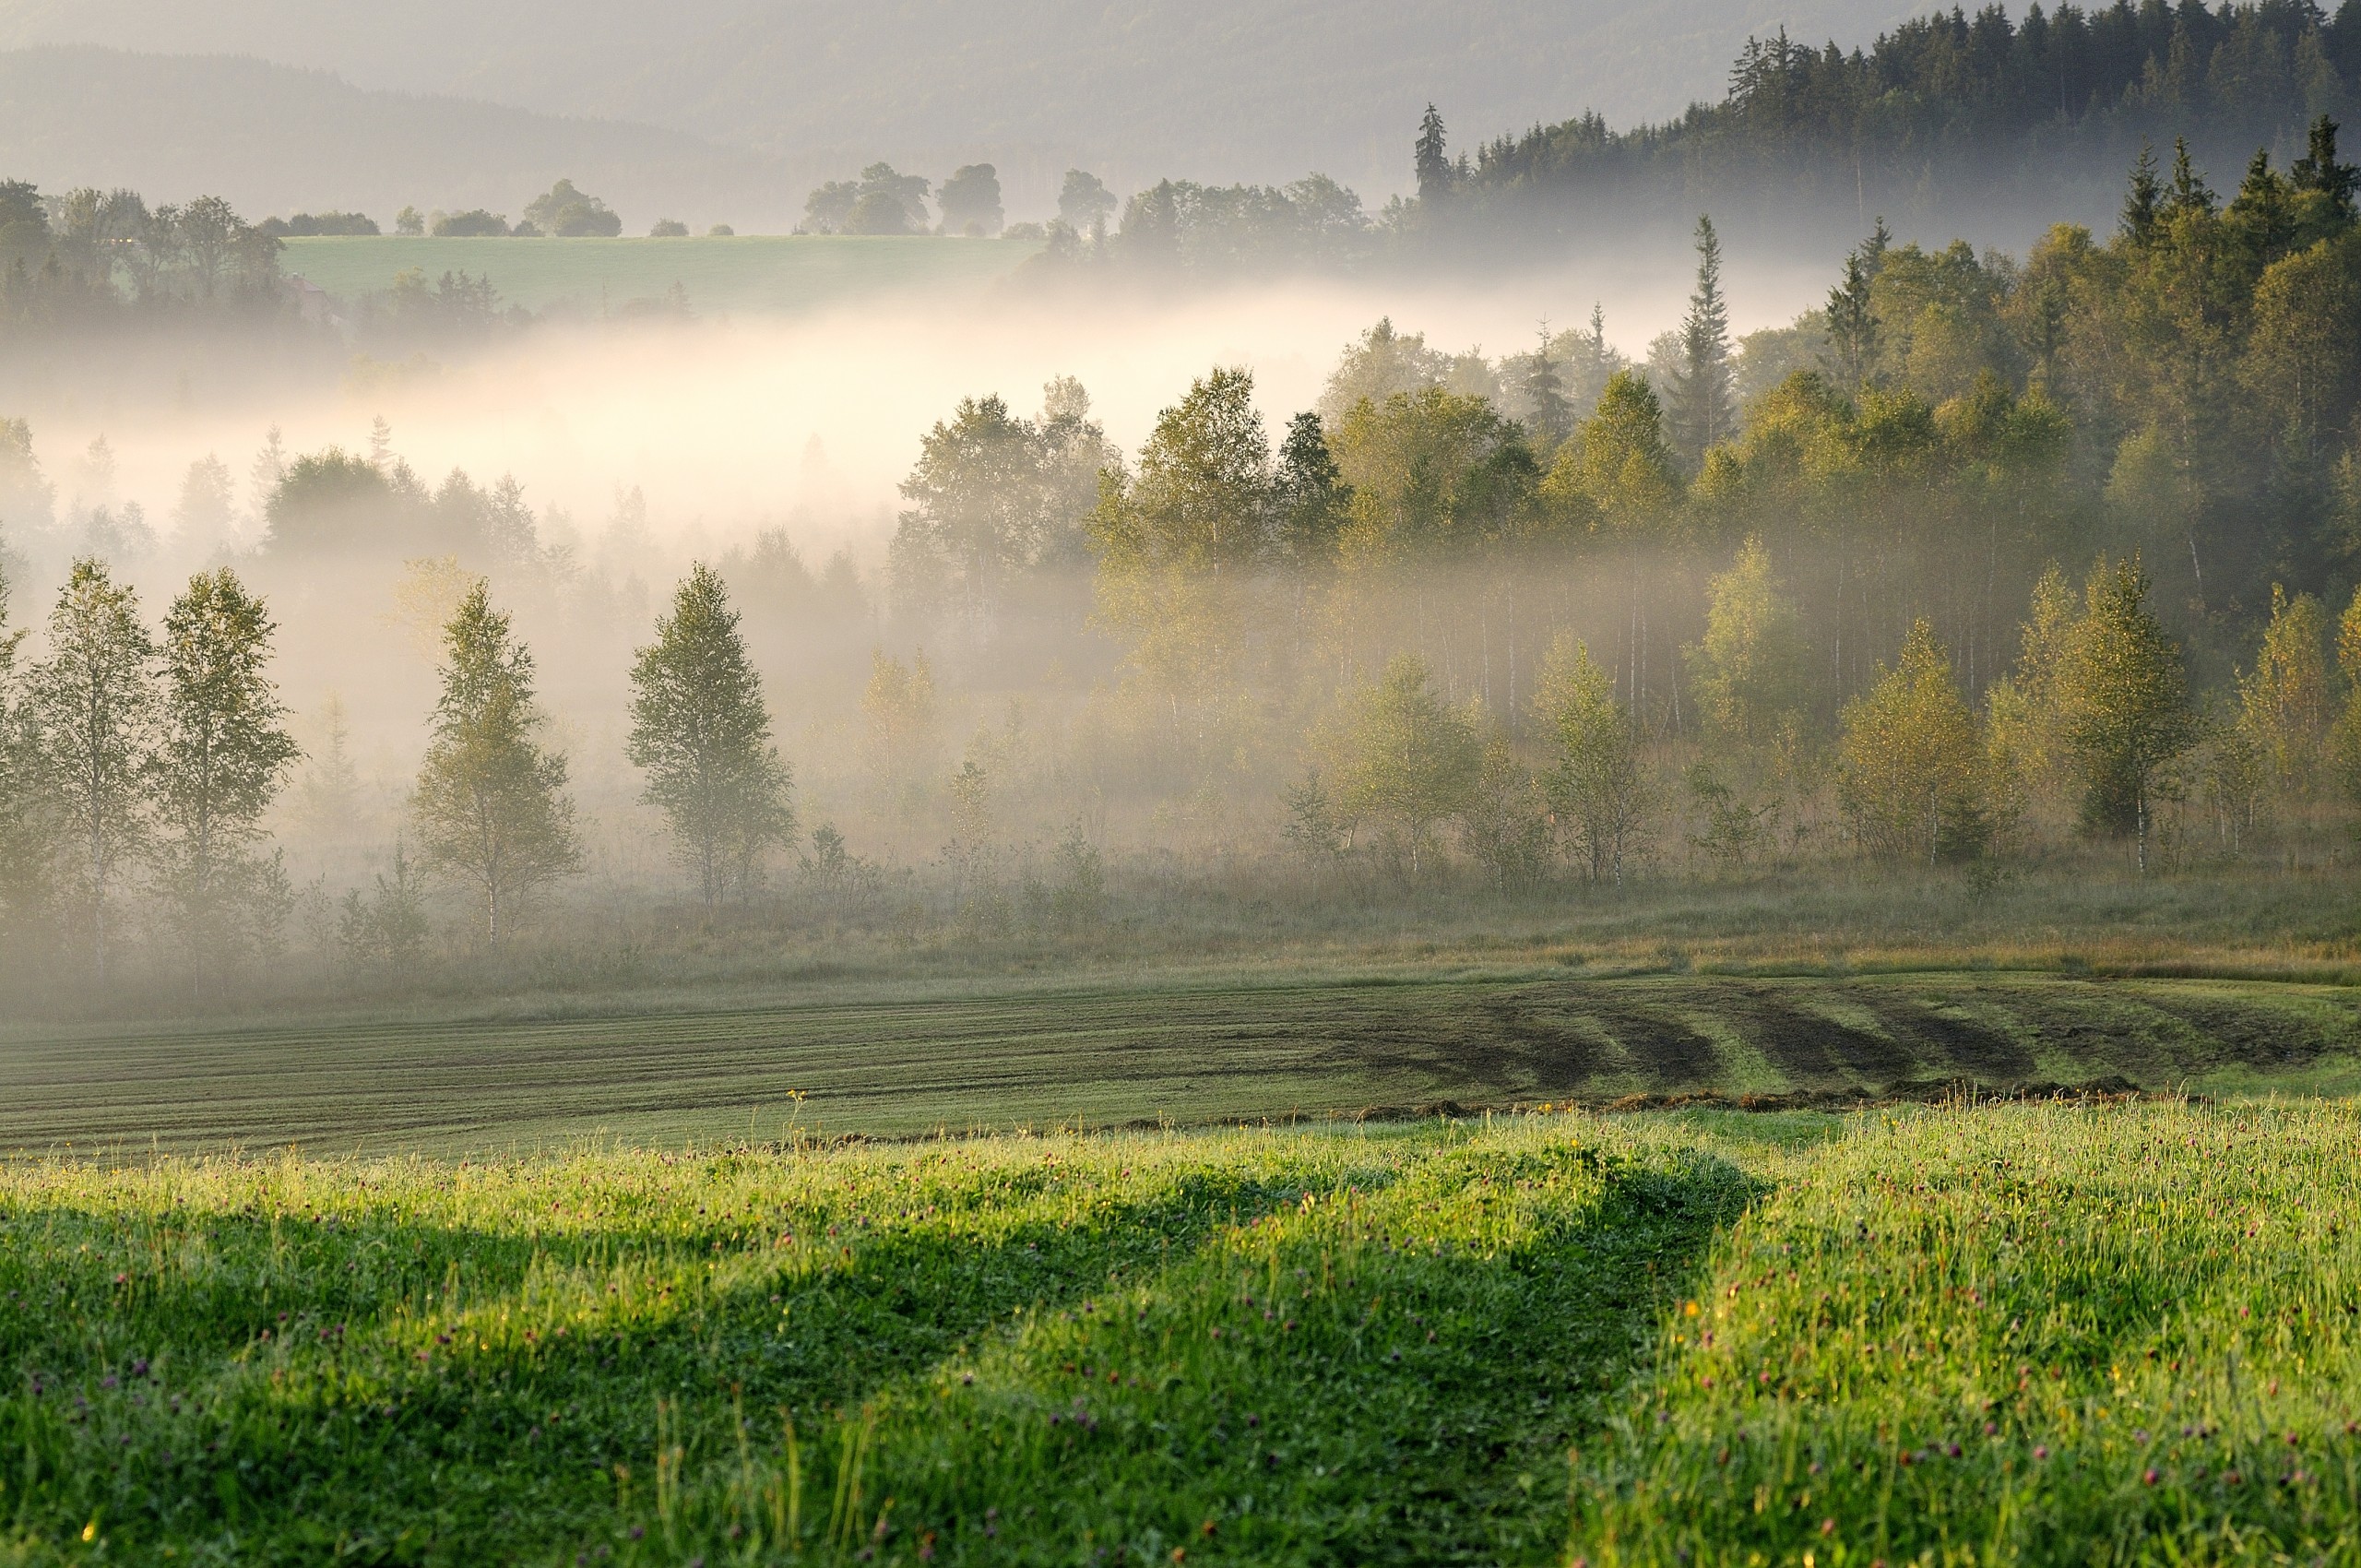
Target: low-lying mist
<point>728,424</point>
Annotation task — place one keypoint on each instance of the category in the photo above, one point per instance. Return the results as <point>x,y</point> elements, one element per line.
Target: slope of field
<point>746,274</point>
<point>1184,1055</point>
<point>2021,1334</point>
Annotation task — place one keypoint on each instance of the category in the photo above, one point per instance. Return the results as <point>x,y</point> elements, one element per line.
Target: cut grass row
<point>2002,1335</point>
<point>1149,1054</point>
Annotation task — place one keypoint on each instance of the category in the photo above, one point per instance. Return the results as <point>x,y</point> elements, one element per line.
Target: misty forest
<point>911,816</point>
<point>1990,570</point>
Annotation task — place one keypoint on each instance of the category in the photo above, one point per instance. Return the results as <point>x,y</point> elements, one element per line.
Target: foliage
<point>701,731</point>
<point>1911,760</point>
<point>993,495</point>
<point>899,703</point>
<point>1406,761</point>
<point>2125,701</point>
<point>387,931</point>
<point>569,213</point>
<point>1703,413</point>
<point>24,804</point>
<point>970,200</point>
<point>1595,782</point>
<point>94,705</point>
<point>1746,669</point>
<point>490,808</point>
<point>222,759</point>
<point>2285,702</point>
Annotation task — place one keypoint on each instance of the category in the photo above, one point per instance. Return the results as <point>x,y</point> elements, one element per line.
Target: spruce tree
<point>2141,203</point>
<point>1431,162</point>
<point>700,731</point>
<point>1311,496</point>
<point>1702,409</point>
<point>2319,173</point>
<point>1852,325</point>
<point>491,806</point>
<point>94,703</point>
<point>223,755</point>
<point>1552,413</point>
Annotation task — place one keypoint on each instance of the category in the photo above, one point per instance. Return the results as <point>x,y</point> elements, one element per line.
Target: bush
<point>668,229</point>
<point>474,223</point>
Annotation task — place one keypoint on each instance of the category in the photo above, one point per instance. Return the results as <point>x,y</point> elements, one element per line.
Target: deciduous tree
<point>94,704</point>
<point>1911,761</point>
<point>222,756</point>
<point>1595,781</point>
<point>702,733</point>
<point>2124,698</point>
<point>1407,759</point>
<point>491,806</point>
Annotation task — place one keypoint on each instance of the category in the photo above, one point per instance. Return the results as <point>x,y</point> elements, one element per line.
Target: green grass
<point>1256,1347</point>
<point>746,274</point>
<point>2036,1335</point>
<point>861,1057</point>
<point>1961,1336</point>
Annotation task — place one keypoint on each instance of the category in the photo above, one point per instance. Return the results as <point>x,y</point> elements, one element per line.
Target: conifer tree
<point>94,704</point>
<point>224,753</point>
<point>2317,173</point>
<point>2141,202</point>
<point>1431,162</point>
<point>1311,496</point>
<point>702,733</point>
<point>1852,325</point>
<point>1703,412</point>
<point>1552,414</point>
<point>491,806</point>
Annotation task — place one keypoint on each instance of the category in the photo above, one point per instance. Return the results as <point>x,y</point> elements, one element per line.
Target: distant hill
<point>275,139</point>
<point>1136,89</point>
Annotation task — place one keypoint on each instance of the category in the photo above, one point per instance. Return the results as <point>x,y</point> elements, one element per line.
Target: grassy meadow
<point>2025,1333</point>
<point>745,274</point>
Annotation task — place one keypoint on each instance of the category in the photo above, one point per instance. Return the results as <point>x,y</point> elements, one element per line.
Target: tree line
<point>1800,560</point>
<point>1947,103</point>
<point>139,766</point>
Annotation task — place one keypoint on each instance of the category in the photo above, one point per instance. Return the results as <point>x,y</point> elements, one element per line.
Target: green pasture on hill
<point>749,274</point>
<point>1150,1054</point>
<point>2020,1334</point>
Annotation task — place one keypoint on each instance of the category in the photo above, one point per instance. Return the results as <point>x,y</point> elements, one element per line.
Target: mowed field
<point>2032,1334</point>
<point>1174,1053</point>
<point>749,274</point>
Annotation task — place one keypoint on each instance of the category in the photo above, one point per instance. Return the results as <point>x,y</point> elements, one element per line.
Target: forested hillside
<point>1944,113</point>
